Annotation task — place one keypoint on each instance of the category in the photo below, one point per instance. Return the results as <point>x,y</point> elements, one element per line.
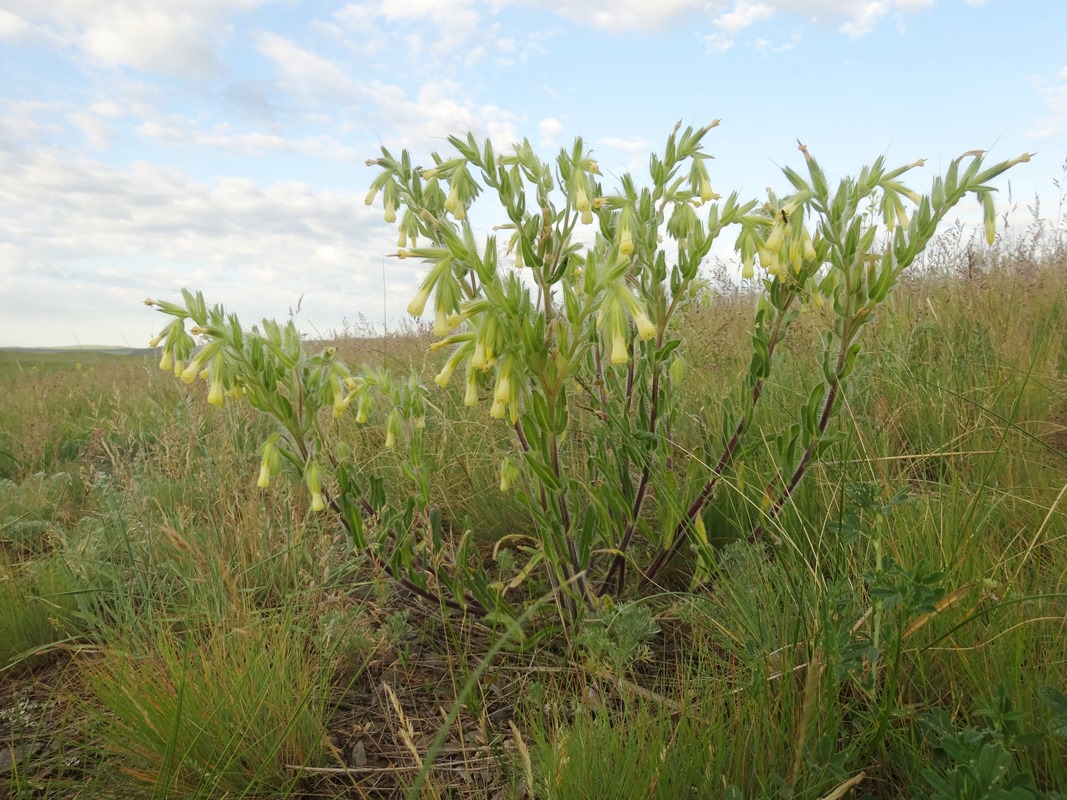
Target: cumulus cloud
<point>550,128</point>
<point>420,119</point>
<point>84,242</point>
<point>177,39</point>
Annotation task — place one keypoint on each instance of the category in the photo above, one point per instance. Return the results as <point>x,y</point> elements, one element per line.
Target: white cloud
<point>550,128</point>
<point>719,42</point>
<point>742,15</point>
<point>631,146</point>
<point>438,109</point>
<point>854,17</point>
<point>306,76</point>
<point>1053,92</point>
<point>181,39</point>
<point>184,133</point>
<point>83,235</point>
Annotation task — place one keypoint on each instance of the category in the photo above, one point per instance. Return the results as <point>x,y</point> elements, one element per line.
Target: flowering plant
<point>562,324</point>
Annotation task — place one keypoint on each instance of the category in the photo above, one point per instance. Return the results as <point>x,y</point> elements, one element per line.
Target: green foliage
<point>641,754</point>
<point>215,712</point>
<point>980,763</point>
<point>576,349</point>
<point>620,638</point>
<point>38,607</point>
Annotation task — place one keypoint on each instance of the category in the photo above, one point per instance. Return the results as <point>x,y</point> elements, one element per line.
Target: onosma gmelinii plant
<point>561,327</point>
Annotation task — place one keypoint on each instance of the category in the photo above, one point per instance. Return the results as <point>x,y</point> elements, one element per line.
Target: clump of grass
<point>38,607</point>
<point>641,753</point>
<point>225,711</point>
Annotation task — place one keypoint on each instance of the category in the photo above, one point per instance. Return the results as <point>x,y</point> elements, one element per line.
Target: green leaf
<point>1053,698</point>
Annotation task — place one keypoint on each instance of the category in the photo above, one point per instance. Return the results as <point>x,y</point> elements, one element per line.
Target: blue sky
<point>147,145</point>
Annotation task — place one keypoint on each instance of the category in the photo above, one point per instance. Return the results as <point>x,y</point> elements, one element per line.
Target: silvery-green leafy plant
<point>561,326</point>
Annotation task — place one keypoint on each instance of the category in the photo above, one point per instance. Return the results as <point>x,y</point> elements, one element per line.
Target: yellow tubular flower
<point>581,198</point>
<point>167,362</point>
<point>767,259</point>
<point>340,402</point>
<point>777,237</point>
<point>748,266</point>
<point>440,321</point>
<point>619,351</point>
<point>179,367</point>
<point>498,409</point>
<point>189,373</point>
<point>215,394</point>
<point>471,396</point>
<point>445,375</point>
<point>645,329</point>
<point>418,302</point>
<point>502,391</point>
<point>479,359</point>
<point>267,465</point>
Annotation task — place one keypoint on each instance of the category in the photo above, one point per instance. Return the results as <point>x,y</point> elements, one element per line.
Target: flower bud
<point>393,428</point>
<point>677,371</point>
<point>509,474</point>
<point>313,477</point>
<point>626,241</point>
<point>364,408</point>
<point>989,218</point>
